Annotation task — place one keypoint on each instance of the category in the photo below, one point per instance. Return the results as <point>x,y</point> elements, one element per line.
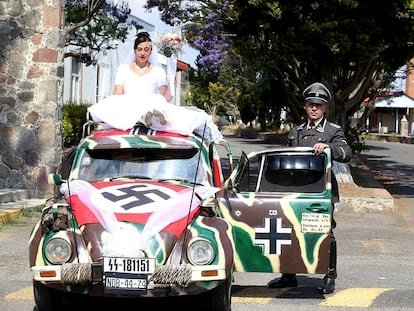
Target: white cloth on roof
<point>124,111</point>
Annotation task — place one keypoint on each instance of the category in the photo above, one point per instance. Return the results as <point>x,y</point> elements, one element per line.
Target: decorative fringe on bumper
<point>81,273</point>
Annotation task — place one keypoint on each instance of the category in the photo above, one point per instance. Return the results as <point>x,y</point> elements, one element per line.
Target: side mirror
<point>208,207</point>
<point>55,179</point>
<point>228,185</point>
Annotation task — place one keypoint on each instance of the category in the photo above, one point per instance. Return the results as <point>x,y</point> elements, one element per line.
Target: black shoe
<point>328,285</point>
<point>287,280</point>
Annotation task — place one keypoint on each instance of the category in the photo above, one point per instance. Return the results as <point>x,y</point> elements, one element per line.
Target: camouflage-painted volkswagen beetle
<point>141,215</point>
<point>279,204</point>
<point>135,216</point>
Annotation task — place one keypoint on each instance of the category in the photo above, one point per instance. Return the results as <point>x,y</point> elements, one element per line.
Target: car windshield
<point>158,164</point>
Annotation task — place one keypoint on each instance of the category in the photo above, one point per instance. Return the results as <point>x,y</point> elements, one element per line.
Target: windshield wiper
<point>129,177</point>
<point>180,180</point>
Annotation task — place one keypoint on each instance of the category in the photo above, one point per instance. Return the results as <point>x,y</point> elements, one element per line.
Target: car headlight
<point>200,252</point>
<point>57,250</point>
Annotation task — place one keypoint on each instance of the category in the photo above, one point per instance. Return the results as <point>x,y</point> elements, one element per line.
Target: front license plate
<point>129,265</point>
<point>120,283</point>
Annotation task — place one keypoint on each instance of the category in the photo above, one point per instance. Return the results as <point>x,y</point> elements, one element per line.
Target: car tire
<point>46,298</point>
<point>219,299</point>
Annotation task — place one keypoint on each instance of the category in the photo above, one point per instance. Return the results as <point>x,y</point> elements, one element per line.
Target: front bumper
<point>88,273</point>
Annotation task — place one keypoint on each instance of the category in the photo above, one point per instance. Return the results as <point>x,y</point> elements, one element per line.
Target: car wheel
<point>46,298</point>
<point>219,298</point>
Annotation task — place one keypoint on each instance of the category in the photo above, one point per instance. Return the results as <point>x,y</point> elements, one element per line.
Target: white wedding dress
<point>142,104</point>
<point>124,111</point>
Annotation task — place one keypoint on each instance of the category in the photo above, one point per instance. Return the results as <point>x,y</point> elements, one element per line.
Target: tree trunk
<point>342,172</point>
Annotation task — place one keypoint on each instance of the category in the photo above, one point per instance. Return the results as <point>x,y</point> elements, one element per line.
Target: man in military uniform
<point>319,133</point>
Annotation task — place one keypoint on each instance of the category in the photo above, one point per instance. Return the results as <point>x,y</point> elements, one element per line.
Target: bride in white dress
<point>142,94</point>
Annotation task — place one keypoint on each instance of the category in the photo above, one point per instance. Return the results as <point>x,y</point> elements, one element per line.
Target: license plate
<point>129,265</point>
<point>116,283</point>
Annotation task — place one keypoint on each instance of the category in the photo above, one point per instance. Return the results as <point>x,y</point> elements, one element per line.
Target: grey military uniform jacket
<point>325,132</point>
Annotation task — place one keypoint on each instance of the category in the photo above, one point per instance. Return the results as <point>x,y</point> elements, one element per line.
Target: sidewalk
<point>365,194</point>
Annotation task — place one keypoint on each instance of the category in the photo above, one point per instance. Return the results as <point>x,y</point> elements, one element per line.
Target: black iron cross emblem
<point>272,236</point>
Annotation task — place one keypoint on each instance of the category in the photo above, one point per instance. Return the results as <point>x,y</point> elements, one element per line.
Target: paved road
<point>393,165</point>
<point>375,254</point>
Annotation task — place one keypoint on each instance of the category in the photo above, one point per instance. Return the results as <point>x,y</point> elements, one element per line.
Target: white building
<point>90,84</point>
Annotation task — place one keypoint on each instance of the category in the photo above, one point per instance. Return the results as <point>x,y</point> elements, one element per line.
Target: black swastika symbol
<point>133,192</point>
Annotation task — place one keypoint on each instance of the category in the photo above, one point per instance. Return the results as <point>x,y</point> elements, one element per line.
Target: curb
<point>13,195</point>
<point>365,205</point>
<point>368,198</point>
<point>11,210</point>
<point>10,214</point>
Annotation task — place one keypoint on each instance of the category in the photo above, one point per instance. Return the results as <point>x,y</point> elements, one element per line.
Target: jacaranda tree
<point>273,49</point>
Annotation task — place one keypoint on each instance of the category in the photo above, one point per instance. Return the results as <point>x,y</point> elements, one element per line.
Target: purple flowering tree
<point>270,50</point>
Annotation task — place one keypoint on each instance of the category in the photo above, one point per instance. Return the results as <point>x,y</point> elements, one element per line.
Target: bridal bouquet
<point>169,44</point>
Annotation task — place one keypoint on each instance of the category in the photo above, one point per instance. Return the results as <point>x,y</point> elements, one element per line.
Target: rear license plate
<point>129,265</point>
<point>121,283</point>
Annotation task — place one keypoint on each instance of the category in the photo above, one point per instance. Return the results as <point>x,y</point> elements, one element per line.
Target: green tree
<point>74,117</point>
<point>223,98</point>
<point>289,44</point>
<point>93,26</point>
<point>340,43</point>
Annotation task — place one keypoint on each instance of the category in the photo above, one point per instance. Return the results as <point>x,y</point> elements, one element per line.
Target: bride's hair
<point>142,37</point>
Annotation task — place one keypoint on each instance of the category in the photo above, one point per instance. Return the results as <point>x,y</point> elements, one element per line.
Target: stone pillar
<point>404,126</point>
<point>31,75</point>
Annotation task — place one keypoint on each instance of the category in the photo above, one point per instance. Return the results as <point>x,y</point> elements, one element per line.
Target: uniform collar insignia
<point>321,126</point>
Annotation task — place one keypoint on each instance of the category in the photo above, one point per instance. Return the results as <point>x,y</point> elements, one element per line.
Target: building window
<point>98,74</point>
<point>75,81</point>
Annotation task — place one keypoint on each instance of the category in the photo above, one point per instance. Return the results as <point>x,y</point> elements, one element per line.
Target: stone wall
<point>31,77</point>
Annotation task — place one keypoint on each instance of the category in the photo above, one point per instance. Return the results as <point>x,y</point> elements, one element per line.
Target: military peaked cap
<point>317,93</point>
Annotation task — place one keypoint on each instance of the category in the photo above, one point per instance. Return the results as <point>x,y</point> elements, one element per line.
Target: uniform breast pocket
<point>322,139</point>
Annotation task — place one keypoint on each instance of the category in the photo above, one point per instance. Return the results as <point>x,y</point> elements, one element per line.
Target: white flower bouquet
<point>169,44</point>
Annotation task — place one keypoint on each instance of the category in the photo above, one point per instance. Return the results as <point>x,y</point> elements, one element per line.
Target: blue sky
<point>189,54</point>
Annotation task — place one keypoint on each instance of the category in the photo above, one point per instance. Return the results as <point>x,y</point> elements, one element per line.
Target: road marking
<point>257,300</point>
<point>23,294</point>
<point>354,297</point>
<point>381,247</point>
<point>259,295</point>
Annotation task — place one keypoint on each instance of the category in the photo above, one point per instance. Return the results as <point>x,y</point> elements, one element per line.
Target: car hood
<point>154,206</point>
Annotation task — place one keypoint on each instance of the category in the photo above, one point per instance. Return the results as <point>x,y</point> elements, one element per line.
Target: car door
<point>279,203</point>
